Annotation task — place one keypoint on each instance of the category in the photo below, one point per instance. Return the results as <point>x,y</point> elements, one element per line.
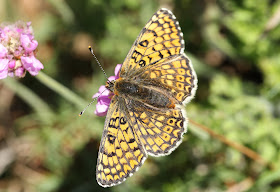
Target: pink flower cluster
<point>17,50</point>
<point>104,95</point>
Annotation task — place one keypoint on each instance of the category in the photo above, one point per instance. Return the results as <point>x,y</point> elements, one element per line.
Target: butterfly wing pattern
<point>120,152</point>
<point>150,118</point>
<point>159,39</point>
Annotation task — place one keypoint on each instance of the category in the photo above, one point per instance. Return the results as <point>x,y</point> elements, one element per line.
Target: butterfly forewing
<point>159,39</point>
<point>120,152</point>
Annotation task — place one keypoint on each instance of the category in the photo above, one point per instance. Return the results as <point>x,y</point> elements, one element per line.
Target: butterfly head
<point>110,85</point>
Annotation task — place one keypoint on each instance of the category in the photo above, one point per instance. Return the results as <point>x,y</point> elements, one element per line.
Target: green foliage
<point>235,53</point>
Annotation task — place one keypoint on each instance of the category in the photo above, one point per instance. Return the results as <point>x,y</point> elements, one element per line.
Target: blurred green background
<point>234,46</point>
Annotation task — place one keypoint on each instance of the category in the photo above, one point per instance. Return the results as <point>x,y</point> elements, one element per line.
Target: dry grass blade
<point>242,186</point>
<point>241,148</point>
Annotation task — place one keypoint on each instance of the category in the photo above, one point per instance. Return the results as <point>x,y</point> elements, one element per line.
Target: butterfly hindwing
<point>159,131</point>
<point>176,75</point>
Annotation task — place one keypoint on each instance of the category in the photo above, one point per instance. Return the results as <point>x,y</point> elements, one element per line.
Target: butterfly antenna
<point>90,49</point>
<point>82,112</point>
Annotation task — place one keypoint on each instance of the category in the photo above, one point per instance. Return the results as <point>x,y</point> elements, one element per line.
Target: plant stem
<point>44,111</point>
<point>61,90</point>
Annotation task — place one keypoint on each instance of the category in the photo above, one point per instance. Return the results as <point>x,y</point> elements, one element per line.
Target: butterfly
<point>146,115</point>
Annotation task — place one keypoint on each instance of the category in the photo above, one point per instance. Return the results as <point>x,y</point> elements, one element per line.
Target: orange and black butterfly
<point>147,113</point>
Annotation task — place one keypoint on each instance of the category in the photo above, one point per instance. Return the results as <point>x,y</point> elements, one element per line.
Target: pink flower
<point>20,72</point>
<point>32,65</point>
<point>3,68</point>
<point>12,64</point>
<point>28,43</point>
<point>117,71</point>
<point>3,51</point>
<point>18,46</point>
<point>104,95</point>
<point>103,100</point>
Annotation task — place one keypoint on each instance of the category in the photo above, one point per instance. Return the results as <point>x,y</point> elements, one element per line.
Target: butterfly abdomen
<point>145,94</point>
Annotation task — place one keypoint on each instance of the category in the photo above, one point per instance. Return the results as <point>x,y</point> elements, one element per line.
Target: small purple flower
<point>3,51</point>
<point>12,64</point>
<point>117,71</point>
<point>20,72</point>
<point>32,65</point>
<point>4,68</point>
<point>18,48</point>
<point>104,95</point>
<point>28,43</point>
<point>103,100</point>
